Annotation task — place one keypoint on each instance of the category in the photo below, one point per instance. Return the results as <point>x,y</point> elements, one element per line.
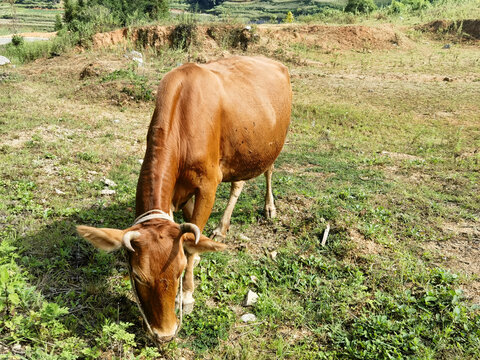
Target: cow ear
<point>204,244</point>
<point>102,238</point>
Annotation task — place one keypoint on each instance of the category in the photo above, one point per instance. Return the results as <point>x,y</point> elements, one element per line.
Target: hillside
<point>382,150</point>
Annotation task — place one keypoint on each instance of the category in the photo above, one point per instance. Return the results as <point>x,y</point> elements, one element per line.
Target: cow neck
<point>159,170</point>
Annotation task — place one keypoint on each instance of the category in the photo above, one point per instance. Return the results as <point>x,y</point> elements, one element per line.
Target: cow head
<point>157,257</point>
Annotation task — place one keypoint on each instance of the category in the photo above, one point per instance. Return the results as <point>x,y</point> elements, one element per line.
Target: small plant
<point>289,18</point>
<point>18,40</point>
<point>360,6</point>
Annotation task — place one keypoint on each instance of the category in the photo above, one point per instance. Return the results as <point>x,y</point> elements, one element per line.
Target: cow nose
<point>165,336</point>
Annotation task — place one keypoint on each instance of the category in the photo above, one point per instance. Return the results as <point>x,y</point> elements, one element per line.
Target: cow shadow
<point>92,284</point>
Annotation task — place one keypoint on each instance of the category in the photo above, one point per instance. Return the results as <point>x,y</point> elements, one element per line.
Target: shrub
<point>396,7</point>
<point>58,23</point>
<point>33,50</point>
<point>183,35</point>
<point>18,40</point>
<point>360,6</point>
<point>416,4</point>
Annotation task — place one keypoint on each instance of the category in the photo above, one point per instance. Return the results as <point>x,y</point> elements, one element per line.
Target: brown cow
<point>222,121</point>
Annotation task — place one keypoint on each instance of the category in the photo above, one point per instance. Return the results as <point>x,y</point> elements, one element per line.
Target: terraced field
<point>32,17</point>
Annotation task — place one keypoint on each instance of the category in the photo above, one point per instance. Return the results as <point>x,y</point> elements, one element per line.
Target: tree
<point>70,11</point>
<point>360,6</point>
<point>204,4</point>
<point>14,15</point>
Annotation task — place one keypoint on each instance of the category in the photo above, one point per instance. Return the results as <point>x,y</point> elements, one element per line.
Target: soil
<point>460,254</point>
<point>466,29</point>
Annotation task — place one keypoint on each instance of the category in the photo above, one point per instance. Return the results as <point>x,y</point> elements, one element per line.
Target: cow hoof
<point>188,308</point>
<point>270,212</point>
<point>188,302</point>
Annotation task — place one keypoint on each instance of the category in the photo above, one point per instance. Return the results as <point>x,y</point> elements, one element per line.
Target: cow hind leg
<point>222,228</point>
<point>270,210</point>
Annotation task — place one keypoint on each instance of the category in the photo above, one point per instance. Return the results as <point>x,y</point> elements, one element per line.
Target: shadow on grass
<point>70,272</point>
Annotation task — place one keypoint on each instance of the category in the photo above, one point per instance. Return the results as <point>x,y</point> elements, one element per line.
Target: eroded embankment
<point>465,29</point>
<point>329,37</point>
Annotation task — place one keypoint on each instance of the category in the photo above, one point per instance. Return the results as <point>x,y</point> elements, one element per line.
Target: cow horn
<point>128,237</point>
<point>189,227</point>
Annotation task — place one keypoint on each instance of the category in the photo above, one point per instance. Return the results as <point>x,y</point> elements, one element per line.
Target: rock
<point>447,79</point>
<point>254,279</point>
<point>140,161</point>
<point>251,298</point>
<point>447,46</point>
<point>59,192</point>
<point>243,237</point>
<point>135,56</point>
<point>273,255</point>
<point>116,121</point>
<point>17,349</point>
<point>93,70</point>
<point>109,182</point>
<point>246,318</point>
<point>107,192</point>
<point>4,60</point>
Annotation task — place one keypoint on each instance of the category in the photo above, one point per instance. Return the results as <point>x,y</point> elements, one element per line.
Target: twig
<point>325,235</point>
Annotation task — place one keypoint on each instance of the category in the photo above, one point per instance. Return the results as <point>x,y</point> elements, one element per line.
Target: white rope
<point>149,215</point>
<point>137,300</point>
<point>180,304</point>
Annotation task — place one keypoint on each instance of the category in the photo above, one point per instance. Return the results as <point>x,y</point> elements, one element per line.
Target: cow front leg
<point>187,296</point>
<point>222,228</point>
<point>270,210</point>
<point>204,201</point>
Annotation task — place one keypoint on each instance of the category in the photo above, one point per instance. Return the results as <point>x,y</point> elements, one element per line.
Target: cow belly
<point>245,161</point>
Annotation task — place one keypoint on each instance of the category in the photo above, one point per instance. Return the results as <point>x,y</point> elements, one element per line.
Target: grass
<point>380,148</point>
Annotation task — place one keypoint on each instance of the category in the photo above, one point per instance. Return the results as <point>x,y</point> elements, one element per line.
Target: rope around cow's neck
<point>140,219</point>
<point>149,216</point>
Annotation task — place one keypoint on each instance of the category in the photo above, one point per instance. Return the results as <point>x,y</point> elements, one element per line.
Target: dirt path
<point>32,36</point>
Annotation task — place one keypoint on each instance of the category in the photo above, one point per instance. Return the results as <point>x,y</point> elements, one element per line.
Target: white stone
<point>59,192</point>
<point>140,161</point>
<point>248,318</point>
<point>109,182</point>
<point>107,192</point>
<point>4,60</point>
<point>243,237</point>
<point>139,61</point>
<point>273,255</point>
<point>251,298</point>
<point>136,54</point>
